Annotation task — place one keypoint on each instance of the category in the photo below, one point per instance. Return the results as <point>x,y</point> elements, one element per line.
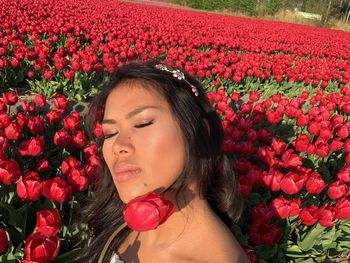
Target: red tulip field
<point>282,91</point>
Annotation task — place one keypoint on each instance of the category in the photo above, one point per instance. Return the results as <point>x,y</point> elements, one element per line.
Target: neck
<point>190,208</point>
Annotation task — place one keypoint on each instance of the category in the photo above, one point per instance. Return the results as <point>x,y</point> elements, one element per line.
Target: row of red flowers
<point>297,149</point>
<point>47,168</point>
<point>65,39</point>
<point>264,157</point>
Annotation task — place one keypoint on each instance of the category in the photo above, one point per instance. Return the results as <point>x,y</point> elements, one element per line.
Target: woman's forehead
<point>130,96</point>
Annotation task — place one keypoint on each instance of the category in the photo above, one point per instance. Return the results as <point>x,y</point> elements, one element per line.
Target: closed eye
<point>107,136</point>
<point>141,125</point>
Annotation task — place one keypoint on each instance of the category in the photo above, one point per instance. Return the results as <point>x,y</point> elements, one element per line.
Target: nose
<point>122,145</point>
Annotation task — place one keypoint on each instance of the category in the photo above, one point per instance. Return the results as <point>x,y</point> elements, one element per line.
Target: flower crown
<point>177,74</point>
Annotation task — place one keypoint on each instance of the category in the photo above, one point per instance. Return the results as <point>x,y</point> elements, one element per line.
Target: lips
<point>124,171</point>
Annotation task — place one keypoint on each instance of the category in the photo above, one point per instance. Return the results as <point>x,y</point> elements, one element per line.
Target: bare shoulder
<point>221,246</point>
<point>212,241</point>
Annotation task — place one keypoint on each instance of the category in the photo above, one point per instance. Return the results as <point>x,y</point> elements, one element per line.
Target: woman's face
<point>143,147</point>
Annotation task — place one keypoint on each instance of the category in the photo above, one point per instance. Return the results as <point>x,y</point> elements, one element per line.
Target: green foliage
<point>273,6</point>
<point>207,4</point>
<point>246,6</point>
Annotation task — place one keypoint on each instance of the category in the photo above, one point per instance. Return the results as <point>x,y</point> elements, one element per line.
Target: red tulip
<point>342,131</point>
<point>60,102</point>
<point>40,100</point>
<point>242,166</point>
<point>10,98</point>
<point>291,159</point>
<point>79,139</point>
<point>69,164</point>
<point>33,147</point>
<point>337,190</point>
<point>4,242</point>
<point>57,190</point>
<point>281,207</point>
<point>278,146</point>
<point>13,131</point>
<point>39,248</point>
<point>344,175</point>
<point>336,144</point>
<point>272,179</point>
<point>314,127</point>
<point>22,119</point>
<point>254,175</point>
<point>308,215</point>
<point>63,139</point>
<point>90,150</point>
<point>48,74</point>
<point>245,186</point>
<point>9,171</point>
<point>30,186</point>
<point>292,183</point>
<point>4,142</point>
<point>342,208</point>
<point>147,212</point>
<point>294,207</point>
<point>264,234</point>
<point>28,106</point>
<point>273,117</point>
<point>98,131</point>
<point>254,96</point>
<point>48,222</point>
<point>314,183</point>
<point>326,215</point>
<point>54,116</point>
<point>265,155</point>
<point>71,122</point>
<point>264,135</point>
<point>93,168</point>
<point>3,106</point>
<point>262,211</point>
<point>36,125</point>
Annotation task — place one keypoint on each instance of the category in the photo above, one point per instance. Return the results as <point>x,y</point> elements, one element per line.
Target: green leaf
<point>254,198</point>
<point>327,239</point>
<point>343,244</point>
<point>311,238</point>
<point>345,228</point>
<point>308,260</point>
<point>9,258</point>
<point>266,252</point>
<point>295,252</point>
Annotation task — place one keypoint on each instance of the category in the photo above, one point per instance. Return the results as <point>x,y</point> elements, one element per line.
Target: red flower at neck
<point>147,212</point>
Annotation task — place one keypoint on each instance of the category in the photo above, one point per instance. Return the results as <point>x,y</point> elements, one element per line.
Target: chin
<point>126,196</point>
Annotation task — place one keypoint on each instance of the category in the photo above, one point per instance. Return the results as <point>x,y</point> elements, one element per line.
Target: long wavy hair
<point>205,163</point>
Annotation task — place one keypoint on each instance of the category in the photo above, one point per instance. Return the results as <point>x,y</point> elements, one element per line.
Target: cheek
<point>165,154</point>
<point>107,151</point>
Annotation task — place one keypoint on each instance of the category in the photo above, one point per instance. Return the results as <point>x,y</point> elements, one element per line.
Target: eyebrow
<point>131,113</point>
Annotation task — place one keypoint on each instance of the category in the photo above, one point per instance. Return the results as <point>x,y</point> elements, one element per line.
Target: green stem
<point>25,221</point>
<point>71,210</point>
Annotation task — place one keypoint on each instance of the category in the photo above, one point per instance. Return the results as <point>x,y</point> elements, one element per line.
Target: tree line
<point>338,9</point>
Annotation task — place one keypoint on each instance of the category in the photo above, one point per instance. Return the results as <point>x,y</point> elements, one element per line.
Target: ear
<point>206,123</point>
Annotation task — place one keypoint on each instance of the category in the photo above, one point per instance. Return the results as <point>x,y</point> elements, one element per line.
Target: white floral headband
<point>179,75</point>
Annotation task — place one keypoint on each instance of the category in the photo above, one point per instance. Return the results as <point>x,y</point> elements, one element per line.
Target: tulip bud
<point>4,242</point>
<point>147,212</point>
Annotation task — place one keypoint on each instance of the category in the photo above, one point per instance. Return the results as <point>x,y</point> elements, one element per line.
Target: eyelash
<point>136,126</point>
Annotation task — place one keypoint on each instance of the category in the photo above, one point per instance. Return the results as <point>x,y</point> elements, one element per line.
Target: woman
<point>161,135</point>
